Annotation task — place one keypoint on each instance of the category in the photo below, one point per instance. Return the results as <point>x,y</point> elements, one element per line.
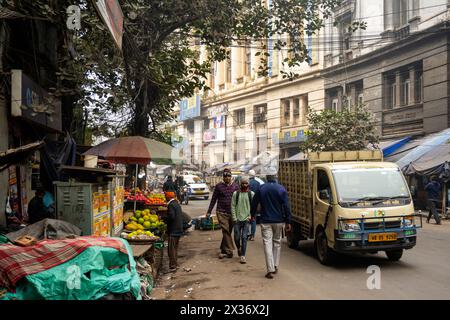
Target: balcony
<point>347,6</point>
<point>259,117</point>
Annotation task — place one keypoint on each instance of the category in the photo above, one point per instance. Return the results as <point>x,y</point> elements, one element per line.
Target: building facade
<point>398,66</point>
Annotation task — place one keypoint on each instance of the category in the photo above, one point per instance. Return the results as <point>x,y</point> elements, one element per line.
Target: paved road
<point>422,273</point>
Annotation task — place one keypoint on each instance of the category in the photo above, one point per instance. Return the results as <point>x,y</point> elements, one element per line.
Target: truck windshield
<point>370,185</point>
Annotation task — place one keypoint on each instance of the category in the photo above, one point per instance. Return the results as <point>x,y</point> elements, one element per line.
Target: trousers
<point>433,211</point>
<point>226,224</point>
<point>240,236</point>
<point>173,251</point>
<point>271,235</point>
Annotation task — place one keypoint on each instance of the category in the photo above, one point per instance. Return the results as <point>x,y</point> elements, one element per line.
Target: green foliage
<point>134,90</point>
<point>339,131</point>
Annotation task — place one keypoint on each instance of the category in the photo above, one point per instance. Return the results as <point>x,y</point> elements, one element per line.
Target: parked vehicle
<point>196,187</point>
<point>349,202</point>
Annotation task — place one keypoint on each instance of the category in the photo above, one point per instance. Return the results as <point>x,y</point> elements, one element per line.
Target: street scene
<point>224,150</point>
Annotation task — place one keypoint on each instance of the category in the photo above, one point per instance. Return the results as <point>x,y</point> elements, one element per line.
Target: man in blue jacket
<point>275,215</point>
<point>433,188</point>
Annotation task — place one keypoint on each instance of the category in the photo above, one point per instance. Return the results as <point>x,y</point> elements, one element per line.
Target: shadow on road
<point>355,260</point>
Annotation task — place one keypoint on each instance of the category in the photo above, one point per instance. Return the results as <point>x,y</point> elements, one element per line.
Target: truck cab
<point>351,206</point>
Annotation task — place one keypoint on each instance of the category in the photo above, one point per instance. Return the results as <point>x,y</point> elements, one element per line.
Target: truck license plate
<point>377,237</point>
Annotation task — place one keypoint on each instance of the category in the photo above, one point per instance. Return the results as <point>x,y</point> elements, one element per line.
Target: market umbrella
<point>136,150</point>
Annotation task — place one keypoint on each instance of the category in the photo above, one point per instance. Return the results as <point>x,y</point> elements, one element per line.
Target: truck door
<point>321,199</point>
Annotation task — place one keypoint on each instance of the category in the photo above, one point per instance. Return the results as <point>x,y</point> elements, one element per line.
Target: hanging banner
<point>112,16</point>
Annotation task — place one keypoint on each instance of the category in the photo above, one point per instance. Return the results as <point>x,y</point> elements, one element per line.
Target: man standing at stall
<point>174,222</point>
<point>223,192</point>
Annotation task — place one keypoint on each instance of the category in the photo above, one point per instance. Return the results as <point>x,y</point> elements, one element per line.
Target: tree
<point>331,130</point>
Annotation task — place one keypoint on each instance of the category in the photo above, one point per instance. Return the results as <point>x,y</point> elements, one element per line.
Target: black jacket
<point>37,210</point>
<point>174,219</point>
<point>169,185</point>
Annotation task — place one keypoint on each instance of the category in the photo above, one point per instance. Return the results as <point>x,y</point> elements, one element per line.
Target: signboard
<point>112,16</point>
<point>32,102</point>
<point>213,134</point>
<point>220,109</point>
<point>289,136</point>
<point>190,108</point>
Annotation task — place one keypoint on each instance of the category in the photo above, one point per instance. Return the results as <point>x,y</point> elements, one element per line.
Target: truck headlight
<point>350,226</point>
<point>408,222</point>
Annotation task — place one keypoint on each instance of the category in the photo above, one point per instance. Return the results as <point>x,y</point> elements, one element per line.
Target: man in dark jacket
<point>275,215</point>
<point>174,222</point>
<point>36,208</point>
<point>433,188</point>
<point>223,192</point>
<point>170,185</point>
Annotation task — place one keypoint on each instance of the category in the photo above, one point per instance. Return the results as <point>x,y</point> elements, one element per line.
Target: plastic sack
<point>93,274</point>
<point>47,229</point>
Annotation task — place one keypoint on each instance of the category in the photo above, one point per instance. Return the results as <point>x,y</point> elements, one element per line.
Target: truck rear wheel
<point>324,253</point>
<point>394,255</point>
<point>292,240</point>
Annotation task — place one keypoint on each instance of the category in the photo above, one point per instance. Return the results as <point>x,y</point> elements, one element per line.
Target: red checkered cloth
<point>18,262</point>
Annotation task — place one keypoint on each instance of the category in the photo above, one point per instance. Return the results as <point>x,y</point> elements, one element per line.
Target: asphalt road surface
<point>422,273</point>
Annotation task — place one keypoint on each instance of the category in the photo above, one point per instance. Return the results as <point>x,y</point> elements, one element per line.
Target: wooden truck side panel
<point>295,176</point>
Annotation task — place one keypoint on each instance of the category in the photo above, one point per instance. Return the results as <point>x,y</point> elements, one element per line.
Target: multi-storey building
<point>245,115</point>
<point>398,66</point>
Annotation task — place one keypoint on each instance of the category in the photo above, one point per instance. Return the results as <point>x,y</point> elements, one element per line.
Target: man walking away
<point>222,194</point>
<point>169,185</point>
<point>275,213</point>
<point>254,187</point>
<point>174,222</point>
<point>240,211</point>
<point>432,189</point>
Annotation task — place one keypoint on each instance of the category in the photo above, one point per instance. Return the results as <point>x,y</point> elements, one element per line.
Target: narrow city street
<point>422,273</point>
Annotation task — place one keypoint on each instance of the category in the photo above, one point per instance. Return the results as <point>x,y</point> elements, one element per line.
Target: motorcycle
<point>184,196</point>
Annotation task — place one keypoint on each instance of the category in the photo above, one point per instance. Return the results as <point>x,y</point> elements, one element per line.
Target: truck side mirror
<point>324,195</point>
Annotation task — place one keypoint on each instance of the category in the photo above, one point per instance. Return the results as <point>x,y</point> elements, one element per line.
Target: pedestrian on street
<point>254,187</point>
<point>275,215</point>
<point>170,185</point>
<point>240,211</point>
<point>174,221</point>
<point>223,192</point>
<point>433,188</point>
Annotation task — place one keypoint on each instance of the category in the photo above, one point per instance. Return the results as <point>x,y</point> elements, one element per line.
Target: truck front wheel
<point>325,254</point>
<point>394,255</point>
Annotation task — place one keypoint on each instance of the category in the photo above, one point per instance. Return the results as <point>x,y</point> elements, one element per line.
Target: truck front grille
<point>379,225</point>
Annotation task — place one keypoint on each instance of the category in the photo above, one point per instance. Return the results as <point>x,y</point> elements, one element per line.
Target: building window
<point>334,104</point>
<point>405,92</point>
<point>418,88</point>
<point>248,60</point>
<point>296,111</point>
<point>360,99</point>
<point>286,112</point>
<point>239,116</point>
